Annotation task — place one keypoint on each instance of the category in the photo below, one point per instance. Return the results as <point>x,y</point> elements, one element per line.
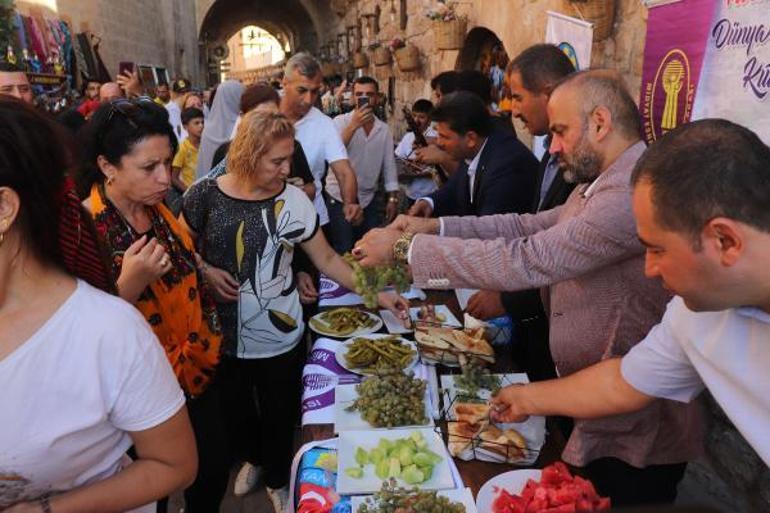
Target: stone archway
<point>297,24</point>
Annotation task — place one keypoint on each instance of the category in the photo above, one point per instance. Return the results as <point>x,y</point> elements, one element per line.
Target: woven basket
<point>408,58</point>
<point>360,60</point>
<point>382,56</point>
<point>599,12</point>
<point>450,35</point>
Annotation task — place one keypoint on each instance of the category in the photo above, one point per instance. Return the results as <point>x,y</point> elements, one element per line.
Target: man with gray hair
<point>318,135</point>
<point>587,256</point>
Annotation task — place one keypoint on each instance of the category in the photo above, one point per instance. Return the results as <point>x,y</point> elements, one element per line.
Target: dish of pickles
<point>345,322</point>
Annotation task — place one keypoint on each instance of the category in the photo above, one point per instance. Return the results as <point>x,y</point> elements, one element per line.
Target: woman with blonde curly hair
<point>246,224</point>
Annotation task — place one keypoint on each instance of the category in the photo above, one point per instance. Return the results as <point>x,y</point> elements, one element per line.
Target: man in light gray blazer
<point>587,255</point>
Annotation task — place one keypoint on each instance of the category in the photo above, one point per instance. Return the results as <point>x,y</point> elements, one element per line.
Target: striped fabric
<point>81,254</point>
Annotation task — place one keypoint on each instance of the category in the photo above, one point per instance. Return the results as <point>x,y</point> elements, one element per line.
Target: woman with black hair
<point>82,375</point>
<point>129,146</point>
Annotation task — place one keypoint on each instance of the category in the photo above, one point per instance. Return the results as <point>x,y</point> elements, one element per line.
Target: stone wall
<point>517,23</point>
<point>142,31</point>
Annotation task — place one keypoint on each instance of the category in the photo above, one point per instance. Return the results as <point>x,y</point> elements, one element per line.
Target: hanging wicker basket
<point>360,60</point>
<point>382,56</point>
<point>599,12</point>
<point>450,35</point>
<point>408,58</point>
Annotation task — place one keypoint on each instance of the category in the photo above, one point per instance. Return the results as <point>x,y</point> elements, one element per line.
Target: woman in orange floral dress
<point>129,146</point>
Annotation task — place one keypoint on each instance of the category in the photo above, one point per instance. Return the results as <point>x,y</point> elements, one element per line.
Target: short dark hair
<point>258,94</point>
<point>423,106</point>
<point>191,113</point>
<point>87,81</point>
<point>446,82</point>
<point>464,112</point>
<point>707,169</point>
<point>35,153</point>
<point>113,134</point>
<point>541,67</point>
<point>367,80</point>
<point>477,83</point>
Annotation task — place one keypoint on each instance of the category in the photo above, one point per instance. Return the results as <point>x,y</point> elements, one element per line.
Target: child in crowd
<point>418,187</point>
<point>186,158</point>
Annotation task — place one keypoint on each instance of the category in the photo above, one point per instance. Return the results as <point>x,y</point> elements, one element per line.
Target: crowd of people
<point>159,256</point>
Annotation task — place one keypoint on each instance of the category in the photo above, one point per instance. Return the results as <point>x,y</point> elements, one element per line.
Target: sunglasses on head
<point>128,109</point>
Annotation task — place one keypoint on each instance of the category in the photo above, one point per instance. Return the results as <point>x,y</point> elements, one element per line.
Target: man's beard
<point>583,165</point>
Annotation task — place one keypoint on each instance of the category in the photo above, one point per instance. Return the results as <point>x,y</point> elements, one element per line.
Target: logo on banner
<point>570,52</point>
<point>674,89</point>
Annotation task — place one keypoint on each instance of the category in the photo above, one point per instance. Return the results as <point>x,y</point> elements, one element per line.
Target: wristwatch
<point>401,248</point>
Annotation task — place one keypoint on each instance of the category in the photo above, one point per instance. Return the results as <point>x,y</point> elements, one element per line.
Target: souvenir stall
<point>56,60</point>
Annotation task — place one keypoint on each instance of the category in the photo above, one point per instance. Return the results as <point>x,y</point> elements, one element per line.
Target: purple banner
<point>673,55</point>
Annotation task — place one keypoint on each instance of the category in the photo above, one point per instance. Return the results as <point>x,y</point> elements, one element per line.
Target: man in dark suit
<point>496,174</point>
<point>532,76</point>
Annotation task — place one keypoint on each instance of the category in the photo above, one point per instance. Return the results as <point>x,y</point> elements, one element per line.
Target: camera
<point>362,101</point>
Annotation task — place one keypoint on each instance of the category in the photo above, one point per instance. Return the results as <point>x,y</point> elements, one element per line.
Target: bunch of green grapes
<point>402,500</point>
<point>370,281</point>
<point>474,378</point>
<point>391,400</point>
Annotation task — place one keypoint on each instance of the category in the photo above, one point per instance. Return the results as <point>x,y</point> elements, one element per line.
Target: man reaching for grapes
<point>587,254</point>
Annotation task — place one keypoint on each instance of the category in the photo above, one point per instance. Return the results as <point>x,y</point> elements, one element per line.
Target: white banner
<point>735,78</point>
<point>573,36</point>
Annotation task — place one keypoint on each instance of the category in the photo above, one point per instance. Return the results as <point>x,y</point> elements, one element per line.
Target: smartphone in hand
<point>125,67</point>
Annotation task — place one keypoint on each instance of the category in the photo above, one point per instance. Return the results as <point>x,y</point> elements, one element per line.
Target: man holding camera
<point>369,142</point>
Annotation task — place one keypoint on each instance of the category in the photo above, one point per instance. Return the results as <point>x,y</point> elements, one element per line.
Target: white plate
<point>342,349</point>
<point>532,429</point>
<point>348,442</point>
<point>344,420</point>
<point>513,482</point>
<point>359,332</point>
<point>396,326</point>
<point>463,496</point>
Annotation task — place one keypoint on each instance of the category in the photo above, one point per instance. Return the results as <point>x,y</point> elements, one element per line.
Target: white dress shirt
<point>370,155</point>
<point>321,142</point>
